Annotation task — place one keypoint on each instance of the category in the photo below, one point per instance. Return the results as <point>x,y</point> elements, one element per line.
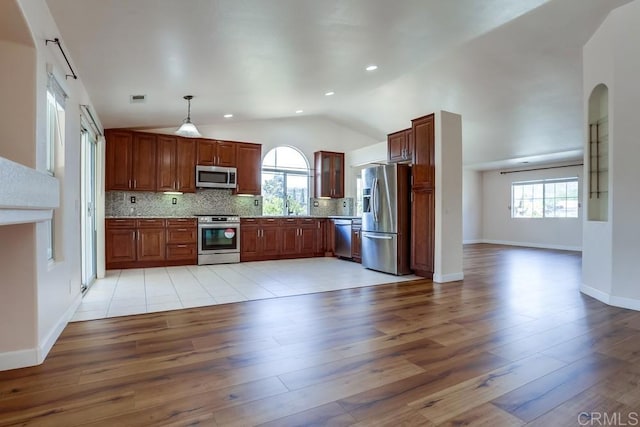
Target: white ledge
<point>26,195</point>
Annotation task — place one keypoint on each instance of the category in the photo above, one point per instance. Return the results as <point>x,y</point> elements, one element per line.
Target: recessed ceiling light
<point>228,116</point>
<point>299,111</point>
<point>329,93</point>
<point>371,67</point>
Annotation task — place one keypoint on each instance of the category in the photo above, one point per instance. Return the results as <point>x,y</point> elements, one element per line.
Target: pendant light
<point>187,128</point>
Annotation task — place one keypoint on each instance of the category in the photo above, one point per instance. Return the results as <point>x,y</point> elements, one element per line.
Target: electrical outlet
<point>174,201</point>
<point>256,202</point>
<point>132,199</point>
<point>344,204</point>
<point>316,203</point>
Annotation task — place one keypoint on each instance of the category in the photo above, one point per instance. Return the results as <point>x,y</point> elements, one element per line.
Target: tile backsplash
<point>118,203</point>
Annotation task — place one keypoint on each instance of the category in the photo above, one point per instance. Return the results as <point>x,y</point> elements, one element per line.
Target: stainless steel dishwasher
<point>343,237</point>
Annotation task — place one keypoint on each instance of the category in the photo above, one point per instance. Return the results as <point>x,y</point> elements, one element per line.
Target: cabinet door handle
<point>130,186</point>
<point>182,229</point>
<point>182,246</point>
<point>135,183</point>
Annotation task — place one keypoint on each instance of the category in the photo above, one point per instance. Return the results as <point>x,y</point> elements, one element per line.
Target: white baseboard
<point>18,359</point>
<point>45,346</point>
<point>35,356</point>
<point>472,241</point>
<point>444,278</point>
<point>630,303</point>
<point>532,245</point>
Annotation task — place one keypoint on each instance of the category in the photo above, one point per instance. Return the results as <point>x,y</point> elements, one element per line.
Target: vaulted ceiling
<point>513,69</point>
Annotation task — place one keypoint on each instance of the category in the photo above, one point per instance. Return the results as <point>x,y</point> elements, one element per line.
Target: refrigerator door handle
<point>375,236</point>
<point>374,196</point>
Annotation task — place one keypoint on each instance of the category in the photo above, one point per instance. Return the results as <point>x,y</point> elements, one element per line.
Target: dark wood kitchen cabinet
<point>176,159</point>
<point>329,174</point>
<point>289,237</point>
<point>298,238</point>
<point>249,165</point>
<point>423,197</point>
<point>119,149</point>
<point>182,240</point>
<point>216,153</point>
<point>423,170</point>
<point>277,238</point>
<point>400,146</point>
<point>121,243</point>
<point>150,242</point>
<point>356,240</point>
<point>130,161</point>
<point>259,239</point>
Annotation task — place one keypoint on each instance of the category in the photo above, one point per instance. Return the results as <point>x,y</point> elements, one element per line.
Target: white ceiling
<point>511,68</point>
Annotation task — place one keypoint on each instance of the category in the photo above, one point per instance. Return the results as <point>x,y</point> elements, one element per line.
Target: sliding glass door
<point>88,213</point>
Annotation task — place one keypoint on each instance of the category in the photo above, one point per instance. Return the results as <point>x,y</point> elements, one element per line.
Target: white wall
<point>448,210</point>
<point>472,205</point>
<point>499,227</point>
<point>612,248</point>
<point>53,288</point>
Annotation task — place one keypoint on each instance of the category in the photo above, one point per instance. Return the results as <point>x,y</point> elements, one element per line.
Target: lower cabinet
<point>150,242</point>
<point>259,239</point>
<point>278,238</point>
<point>182,241</point>
<point>356,240</point>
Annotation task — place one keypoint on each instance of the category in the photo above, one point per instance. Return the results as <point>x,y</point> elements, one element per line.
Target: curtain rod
<point>95,124</point>
<point>539,169</point>
<point>57,41</point>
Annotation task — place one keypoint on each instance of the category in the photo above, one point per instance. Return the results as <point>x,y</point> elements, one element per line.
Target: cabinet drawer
<point>248,220</point>
<point>182,235</point>
<point>182,252</point>
<point>268,221</point>
<point>289,221</point>
<point>150,223</point>
<point>181,222</point>
<point>120,223</point>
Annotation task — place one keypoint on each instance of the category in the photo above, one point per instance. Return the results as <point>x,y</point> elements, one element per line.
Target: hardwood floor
<point>514,344</point>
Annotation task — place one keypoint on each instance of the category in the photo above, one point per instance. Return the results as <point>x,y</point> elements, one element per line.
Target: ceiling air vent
<point>138,99</point>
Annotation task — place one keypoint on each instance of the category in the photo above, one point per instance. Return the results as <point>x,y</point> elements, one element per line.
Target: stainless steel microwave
<point>215,177</point>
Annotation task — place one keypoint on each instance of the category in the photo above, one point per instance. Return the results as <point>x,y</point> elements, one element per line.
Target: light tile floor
<point>148,290</point>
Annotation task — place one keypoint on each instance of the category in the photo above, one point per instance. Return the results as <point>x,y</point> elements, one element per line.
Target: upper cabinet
<point>329,174</point>
<point>155,162</point>
<point>400,146</point>
<point>119,148</point>
<point>130,161</point>
<point>249,164</point>
<point>176,158</point>
<point>216,153</point>
<point>423,170</point>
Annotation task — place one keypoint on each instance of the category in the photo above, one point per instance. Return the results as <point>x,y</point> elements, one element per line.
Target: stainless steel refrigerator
<point>386,218</point>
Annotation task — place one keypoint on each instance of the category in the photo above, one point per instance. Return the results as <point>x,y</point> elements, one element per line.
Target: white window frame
<point>56,97</point>
<point>526,204</point>
<point>285,171</point>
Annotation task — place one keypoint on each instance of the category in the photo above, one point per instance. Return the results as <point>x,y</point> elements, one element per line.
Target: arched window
<point>285,182</point>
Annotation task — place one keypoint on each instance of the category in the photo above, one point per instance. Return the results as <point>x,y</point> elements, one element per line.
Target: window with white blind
<point>548,198</point>
<point>55,121</point>
<point>55,137</point>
